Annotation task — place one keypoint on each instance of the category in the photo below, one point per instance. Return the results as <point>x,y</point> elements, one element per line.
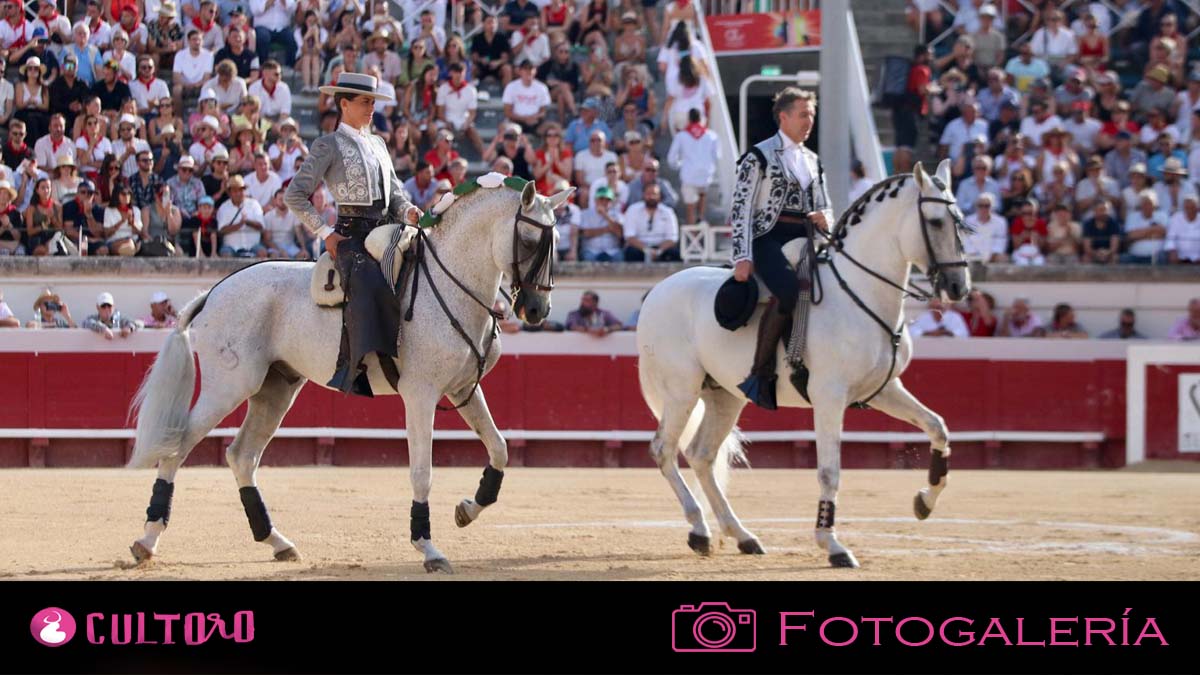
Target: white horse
<point>289,340</point>
<point>689,366</point>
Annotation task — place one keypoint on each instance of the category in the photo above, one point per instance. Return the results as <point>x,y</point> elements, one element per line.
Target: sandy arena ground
<point>569,524</point>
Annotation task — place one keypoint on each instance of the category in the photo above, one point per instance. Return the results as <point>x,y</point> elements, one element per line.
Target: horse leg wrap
<point>939,466</point>
<point>160,502</point>
<point>256,512</point>
<point>825,511</point>
<point>489,486</point>
<point>419,521</point>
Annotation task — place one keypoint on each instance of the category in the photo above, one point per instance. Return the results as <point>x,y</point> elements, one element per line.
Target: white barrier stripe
<point>557,435</point>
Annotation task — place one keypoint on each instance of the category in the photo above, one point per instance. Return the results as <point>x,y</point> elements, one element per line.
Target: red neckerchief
<point>48,203</point>
<point>427,96</point>
<point>148,81</point>
<point>270,92</point>
<point>95,24</point>
<point>203,28</point>
<point>125,208</point>
<point>636,92</point>
<point>20,41</point>
<point>21,150</point>
<point>682,4</point>
<point>696,130</point>
<point>208,146</point>
<point>55,146</point>
<point>457,88</point>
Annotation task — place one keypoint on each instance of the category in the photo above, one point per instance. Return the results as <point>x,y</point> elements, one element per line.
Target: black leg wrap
<point>419,521</point>
<point>939,466</point>
<point>825,511</point>
<point>256,512</point>
<point>489,486</point>
<point>160,502</point>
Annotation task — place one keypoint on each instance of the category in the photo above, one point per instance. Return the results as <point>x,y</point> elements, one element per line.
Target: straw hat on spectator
<point>288,122</point>
<point>65,159</point>
<point>379,34</point>
<point>244,125</point>
<point>1159,74</point>
<point>33,62</point>
<point>220,152</point>
<point>186,162</point>
<point>8,187</point>
<point>236,182</point>
<point>167,9</point>
<point>46,296</point>
<point>1138,168</point>
<point>1175,167</point>
<point>1095,162</point>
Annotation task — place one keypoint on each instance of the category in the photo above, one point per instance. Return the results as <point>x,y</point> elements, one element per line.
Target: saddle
<point>386,244</point>
<point>735,301</point>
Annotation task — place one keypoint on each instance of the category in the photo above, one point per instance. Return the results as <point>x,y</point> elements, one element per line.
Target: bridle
<point>934,272</point>
<point>541,266</point>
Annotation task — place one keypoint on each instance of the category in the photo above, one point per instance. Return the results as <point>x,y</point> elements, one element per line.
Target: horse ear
<point>527,195</point>
<point>943,172</point>
<point>561,197</point>
<point>920,176</point>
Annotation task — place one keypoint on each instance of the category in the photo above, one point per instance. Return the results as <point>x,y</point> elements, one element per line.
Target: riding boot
<point>759,387</point>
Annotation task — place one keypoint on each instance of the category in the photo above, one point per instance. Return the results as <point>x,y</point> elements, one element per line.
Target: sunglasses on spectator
<point>107,304</point>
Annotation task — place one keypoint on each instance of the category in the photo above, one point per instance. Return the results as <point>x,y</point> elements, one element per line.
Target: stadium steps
<point>882,32</point>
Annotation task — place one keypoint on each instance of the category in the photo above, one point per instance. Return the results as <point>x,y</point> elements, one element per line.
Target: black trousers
<point>772,267</point>
<point>370,318</point>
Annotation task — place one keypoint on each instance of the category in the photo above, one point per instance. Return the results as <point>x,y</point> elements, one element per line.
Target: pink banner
<point>765,31</point>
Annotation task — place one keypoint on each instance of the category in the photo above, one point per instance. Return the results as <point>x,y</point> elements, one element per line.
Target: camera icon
<point>712,627</point>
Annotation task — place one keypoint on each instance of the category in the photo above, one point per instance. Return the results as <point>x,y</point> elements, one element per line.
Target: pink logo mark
<point>712,627</point>
<point>53,627</point>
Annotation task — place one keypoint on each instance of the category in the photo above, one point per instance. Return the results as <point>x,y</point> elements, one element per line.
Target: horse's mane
<point>496,185</point>
<point>887,188</point>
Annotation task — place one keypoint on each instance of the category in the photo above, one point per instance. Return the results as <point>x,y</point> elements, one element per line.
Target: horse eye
<point>936,222</point>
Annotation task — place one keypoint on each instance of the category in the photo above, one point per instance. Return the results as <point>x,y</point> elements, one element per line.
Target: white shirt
<point>1033,129</point>
<point>957,134</point>
<point>526,101</point>
<point>47,156</point>
<point>1136,221</point>
<point>60,25</point>
<point>282,228</point>
<point>273,106</point>
<point>794,162</point>
<point>247,237</point>
<point>112,216</point>
<point>103,147</point>
<point>1148,134</point>
<point>146,94</point>
<point>194,69</point>
<point>5,312</point>
<point>1083,134</point>
<point>859,187</point>
<point>287,168</point>
<point>228,98</point>
<point>536,52</point>
<point>696,159</point>
<point>683,100</point>
<point>593,166</point>
<point>384,87</point>
<point>10,34</point>
<point>990,237</point>
<point>130,166</point>
<point>202,154</point>
<point>652,232</point>
<point>670,58</point>
<point>127,61</point>
<point>374,169</point>
<point>1183,237</point>
<point>1165,201</point>
<point>457,104</point>
<point>276,18</point>
<point>1183,121</point>
<point>101,35</point>
<point>929,321</point>
<point>263,191</point>
<point>1057,45</point>
<point>622,192</point>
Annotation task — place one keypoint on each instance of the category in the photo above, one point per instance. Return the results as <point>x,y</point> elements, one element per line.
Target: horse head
<point>933,238</point>
<point>526,249</point>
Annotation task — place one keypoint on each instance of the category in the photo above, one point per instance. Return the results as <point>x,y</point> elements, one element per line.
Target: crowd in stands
<point>1074,130</point>
<point>166,127</point>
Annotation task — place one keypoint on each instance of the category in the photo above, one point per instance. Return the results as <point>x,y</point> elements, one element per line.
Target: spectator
<point>1095,186</point>
<point>431,34</point>
<point>458,171</point>
<point>1187,104</point>
<point>262,183</point>
<point>590,165</point>
<point>192,68</point>
<point>83,215</point>
<point>123,231</point>
<point>580,131</point>
<point>32,100</point>
<point>1063,325</point>
<point>126,62</point>
<point>240,223</point>
<point>650,174</point>
<point>695,153</point>
<point>7,318</point>
<point>164,35</point>
<point>161,222</point>
<point>989,40</point>
<point>1108,97</point>
<point>206,147</point>
<point>1126,328</point>
<point>981,321</point>
<point>567,221</point>
<point>186,188</point>
<point>145,182</point>
<point>229,88</point>
<point>1073,91</point>
<point>1174,186</point>
<point>601,228</point>
<point>612,180</point>
<point>43,218</point>
<point>690,90</point>
<point>561,75</point>
<point>1152,92</point>
<point>914,106</point>
<point>503,166</point>
<point>107,319</point>
<point>525,99</point>
<point>66,178</point>
<point>199,233</point>
<point>1119,121</point>
<point>594,21</point>
<point>988,239</point>
<point>992,97</point>
<point>589,318</point>
<point>1018,321</point>
<point>310,60</point>
<point>938,320</point>
<point>512,145</point>
<point>1121,161</point>
<point>1055,42</point>
<point>1092,43</point>
<point>442,153</point>
<point>162,314</point>
<point>11,224</point>
<point>651,229</point>
<point>530,44</point>
<point>147,89</point>
<point>555,160</point>
<point>1058,188</point>
<point>67,94</point>
<point>128,146</point>
<point>961,130</point>
<point>282,230</point>
<point>1063,236</point>
<point>859,183</point>
<point>87,56</point>
<point>50,147</point>
<point>245,62</point>
<point>51,311</point>
<point>1082,129</point>
<point>491,53</point>
<point>205,23</point>
<point>1157,132</point>
<point>274,95</point>
<point>422,187</point>
<point>1028,235</point>
<point>980,183</point>
<point>1025,68</point>
<point>288,151</point>
<point>1146,231</point>
<point>16,150</point>
<point>457,102</point>
<point>1183,233</point>
<point>1101,235</point>
<point>1039,124</point>
<point>273,26</point>
<point>1188,327</point>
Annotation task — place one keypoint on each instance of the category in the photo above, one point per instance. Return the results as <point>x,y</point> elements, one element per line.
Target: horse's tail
<point>163,402</point>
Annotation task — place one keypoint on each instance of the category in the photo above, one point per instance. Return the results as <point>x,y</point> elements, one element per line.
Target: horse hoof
<point>920,509</point>
<point>289,554</point>
<point>700,543</point>
<point>140,553</point>
<point>845,559</point>
<point>461,517</point>
<point>438,565</point>
<point>751,547</point>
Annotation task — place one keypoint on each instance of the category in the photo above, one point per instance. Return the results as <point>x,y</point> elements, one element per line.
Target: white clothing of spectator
<point>526,101</point>
<point>939,321</point>
<point>1183,233</point>
<point>652,232</point>
<point>591,165</point>
<point>247,237</point>
<point>989,238</point>
<point>193,68</point>
<point>695,153</point>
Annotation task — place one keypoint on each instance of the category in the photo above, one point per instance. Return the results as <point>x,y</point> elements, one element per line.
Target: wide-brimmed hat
<point>357,83</point>
<point>186,162</point>
<point>380,34</point>
<point>8,187</point>
<point>33,62</point>
<point>288,122</point>
<point>1174,166</point>
<point>241,125</point>
<point>236,182</point>
<point>167,8</point>
<point>65,159</point>
<point>1138,167</point>
<point>1159,74</point>
<point>735,302</point>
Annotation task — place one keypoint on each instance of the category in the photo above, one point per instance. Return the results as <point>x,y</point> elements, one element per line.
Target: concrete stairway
<point>882,32</point>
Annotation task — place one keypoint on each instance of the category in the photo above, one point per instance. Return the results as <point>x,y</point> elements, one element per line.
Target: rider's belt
<point>355,226</point>
<point>797,218</point>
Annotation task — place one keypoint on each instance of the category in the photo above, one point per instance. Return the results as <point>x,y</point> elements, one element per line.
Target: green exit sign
<point>771,70</point>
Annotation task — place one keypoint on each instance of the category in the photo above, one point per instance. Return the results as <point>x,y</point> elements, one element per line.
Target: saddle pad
<point>385,244</point>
